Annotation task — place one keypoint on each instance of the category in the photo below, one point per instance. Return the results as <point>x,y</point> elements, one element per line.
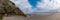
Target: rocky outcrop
<point>9,8</point>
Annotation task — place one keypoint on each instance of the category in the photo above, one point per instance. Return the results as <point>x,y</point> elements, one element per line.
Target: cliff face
<point>8,7</point>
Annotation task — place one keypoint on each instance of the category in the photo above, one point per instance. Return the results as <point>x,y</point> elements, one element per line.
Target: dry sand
<point>51,17</point>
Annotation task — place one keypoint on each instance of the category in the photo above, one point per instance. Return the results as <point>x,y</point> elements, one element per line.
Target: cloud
<point>45,6</point>
<point>23,5</point>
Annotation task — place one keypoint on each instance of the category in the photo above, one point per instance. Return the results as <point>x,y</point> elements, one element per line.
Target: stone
<point>8,8</point>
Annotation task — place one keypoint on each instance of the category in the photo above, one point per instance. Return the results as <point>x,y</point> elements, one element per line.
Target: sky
<point>29,6</point>
<point>34,2</point>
